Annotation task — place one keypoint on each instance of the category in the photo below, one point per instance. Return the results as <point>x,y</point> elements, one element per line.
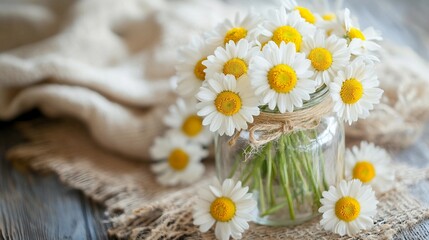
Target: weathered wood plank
<point>40,207</point>
<point>418,156</point>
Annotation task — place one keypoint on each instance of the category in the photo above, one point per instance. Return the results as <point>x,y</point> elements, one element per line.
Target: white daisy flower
<point>227,104</point>
<point>305,13</point>
<point>280,77</point>
<point>282,26</point>
<point>190,70</point>
<point>362,43</point>
<point>240,28</point>
<point>371,165</point>
<point>330,17</point>
<point>327,56</point>
<point>349,208</point>
<point>330,24</point>
<point>355,91</point>
<point>183,118</point>
<point>179,160</point>
<point>229,206</point>
<point>233,59</point>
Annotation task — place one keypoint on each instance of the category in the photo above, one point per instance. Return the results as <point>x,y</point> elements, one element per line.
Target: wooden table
<point>34,206</point>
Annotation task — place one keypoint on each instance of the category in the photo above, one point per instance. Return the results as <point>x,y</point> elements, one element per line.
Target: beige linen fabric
<point>105,63</point>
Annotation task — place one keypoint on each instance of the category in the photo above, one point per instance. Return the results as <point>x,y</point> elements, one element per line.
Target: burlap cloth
<point>140,208</point>
<point>107,64</point>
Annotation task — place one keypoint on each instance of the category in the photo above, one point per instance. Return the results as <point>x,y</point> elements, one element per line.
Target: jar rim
<point>315,98</point>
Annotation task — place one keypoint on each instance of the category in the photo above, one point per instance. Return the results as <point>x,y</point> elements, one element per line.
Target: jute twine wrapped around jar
<point>272,125</point>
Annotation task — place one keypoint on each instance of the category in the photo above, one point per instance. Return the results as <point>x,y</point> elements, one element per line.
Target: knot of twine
<point>272,125</point>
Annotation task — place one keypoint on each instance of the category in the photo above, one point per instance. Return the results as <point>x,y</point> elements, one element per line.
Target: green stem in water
<point>284,178</point>
<point>261,190</point>
<point>274,209</point>
<point>269,182</point>
<point>308,166</point>
<point>321,159</point>
<point>234,167</point>
<point>296,160</point>
<point>251,166</point>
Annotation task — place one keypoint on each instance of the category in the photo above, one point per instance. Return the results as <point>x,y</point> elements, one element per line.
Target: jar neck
<point>315,98</point>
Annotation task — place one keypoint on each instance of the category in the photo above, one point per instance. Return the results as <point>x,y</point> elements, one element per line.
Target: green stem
<point>274,209</point>
<point>321,159</point>
<point>288,162</point>
<point>269,182</point>
<point>308,166</point>
<point>251,166</point>
<point>261,191</point>
<point>234,167</point>
<point>284,179</point>
<point>297,159</point>
<point>301,187</point>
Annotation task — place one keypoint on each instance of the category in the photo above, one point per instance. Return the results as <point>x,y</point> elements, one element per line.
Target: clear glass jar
<point>288,174</point>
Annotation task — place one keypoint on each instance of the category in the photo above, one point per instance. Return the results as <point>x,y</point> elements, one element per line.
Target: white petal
<point>207,225</point>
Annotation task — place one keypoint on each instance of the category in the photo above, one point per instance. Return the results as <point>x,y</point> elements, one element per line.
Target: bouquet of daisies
<point>277,62</point>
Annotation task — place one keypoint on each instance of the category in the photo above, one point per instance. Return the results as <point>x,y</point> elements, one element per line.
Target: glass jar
<point>288,174</point>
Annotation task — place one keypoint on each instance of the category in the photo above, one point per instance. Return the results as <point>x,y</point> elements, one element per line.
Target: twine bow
<point>271,126</point>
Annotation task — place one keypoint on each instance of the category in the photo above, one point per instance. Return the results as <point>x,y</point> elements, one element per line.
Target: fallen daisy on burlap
<point>179,160</point>
<point>371,165</point>
<point>229,206</point>
<point>348,208</point>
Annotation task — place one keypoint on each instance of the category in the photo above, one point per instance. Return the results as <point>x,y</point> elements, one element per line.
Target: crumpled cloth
<point>106,63</point>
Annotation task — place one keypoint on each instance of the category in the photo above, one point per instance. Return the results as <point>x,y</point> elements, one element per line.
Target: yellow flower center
<point>192,125</point>
<point>356,33</point>
<point>364,171</point>
<point>228,103</point>
<point>236,67</point>
<point>351,91</point>
<point>235,34</point>
<point>320,58</point>
<point>347,209</point>
<point>329,17</point>
<point>287,34</point>
<point>199,70</point>
<point>178,159</point>
<point>222,209</point>
<point>282,78</point>
<point>306,14</point>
